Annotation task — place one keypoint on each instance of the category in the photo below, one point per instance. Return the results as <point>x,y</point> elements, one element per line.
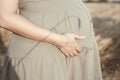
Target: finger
<point>67,55</point>
<point>75,53</point>
<point>79,37</point>
<point>78,49</point>
<point>71,54</point>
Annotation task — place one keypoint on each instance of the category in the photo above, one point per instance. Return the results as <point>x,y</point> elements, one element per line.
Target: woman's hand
<point>69,46</point>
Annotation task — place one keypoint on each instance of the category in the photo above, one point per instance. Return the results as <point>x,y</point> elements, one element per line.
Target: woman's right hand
<point>69,46</point>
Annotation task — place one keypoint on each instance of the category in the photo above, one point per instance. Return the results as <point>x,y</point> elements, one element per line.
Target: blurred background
<point>100,0</point>
<point>106,21</point>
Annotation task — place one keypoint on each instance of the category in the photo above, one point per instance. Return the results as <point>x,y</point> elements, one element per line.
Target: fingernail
<point>83,36</point>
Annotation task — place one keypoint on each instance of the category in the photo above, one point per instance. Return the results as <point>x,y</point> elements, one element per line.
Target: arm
<point>10,20</point>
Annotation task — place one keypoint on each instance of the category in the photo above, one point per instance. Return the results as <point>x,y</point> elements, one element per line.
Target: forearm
<point>20,25</point>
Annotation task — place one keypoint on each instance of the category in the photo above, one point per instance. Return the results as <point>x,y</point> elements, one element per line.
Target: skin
<point>12,21</point>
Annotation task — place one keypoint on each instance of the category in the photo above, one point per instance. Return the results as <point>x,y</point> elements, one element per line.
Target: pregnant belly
<point>73,20</point>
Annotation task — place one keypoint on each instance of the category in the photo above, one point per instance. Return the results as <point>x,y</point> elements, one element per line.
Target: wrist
<point>54,39</point>
<point>57,39</point>
<point>61,41</point>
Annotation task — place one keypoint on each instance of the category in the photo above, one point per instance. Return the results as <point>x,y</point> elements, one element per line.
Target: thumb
<point>79,37</point>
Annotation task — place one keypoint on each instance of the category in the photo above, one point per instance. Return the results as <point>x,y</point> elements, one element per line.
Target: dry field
<point>106,20</point>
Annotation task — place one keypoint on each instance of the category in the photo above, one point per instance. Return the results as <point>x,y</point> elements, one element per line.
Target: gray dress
<point>28,59</point>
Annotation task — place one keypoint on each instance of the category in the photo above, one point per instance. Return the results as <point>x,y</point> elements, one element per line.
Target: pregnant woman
<point>51,40</point>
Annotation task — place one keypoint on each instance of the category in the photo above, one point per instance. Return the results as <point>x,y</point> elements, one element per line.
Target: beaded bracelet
<point>46,36</point>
